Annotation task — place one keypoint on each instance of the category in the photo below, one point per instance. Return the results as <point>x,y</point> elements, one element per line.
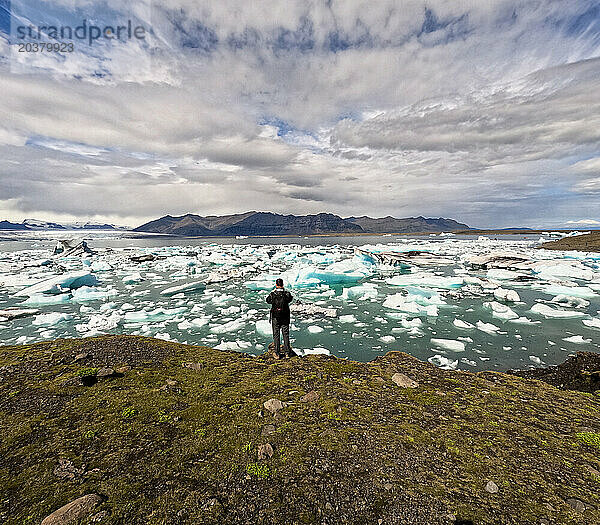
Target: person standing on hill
<point>280,300</point>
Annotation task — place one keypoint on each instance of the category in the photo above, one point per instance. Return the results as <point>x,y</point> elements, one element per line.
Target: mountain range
<point>34,224</point>
<point>265,223</point>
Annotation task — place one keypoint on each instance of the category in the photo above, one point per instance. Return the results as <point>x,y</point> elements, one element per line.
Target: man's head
<point>279,283</point>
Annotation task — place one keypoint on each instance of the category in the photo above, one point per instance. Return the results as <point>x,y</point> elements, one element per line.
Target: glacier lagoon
<point>472,303</point>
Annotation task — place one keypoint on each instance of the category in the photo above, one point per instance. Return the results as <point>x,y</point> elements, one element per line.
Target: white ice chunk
<point>465,325</point>
<point>501,311</point>
<point>553,313</point>
<point>263,327</point>
<point>487,327</point>
<point>86,293</point>
<point>347,319</point>
<point>592,323</point>
<point>443,362</point>
<point>184,288</point>
<point>449,344</point>
<point>51,319</point>
<point>426,280</point>
<point>313,329</point>
<point>503,294</point>
<point>59,284</point>
<point>577,339</point>
<point>231,326</point>
<point>387,339</point>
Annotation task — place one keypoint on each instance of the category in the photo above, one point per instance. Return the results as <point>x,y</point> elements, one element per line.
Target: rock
<point>82,356</point>
<point>72,512</point>
<point>491,487</point>
<point>404,381</point>
<point>267,429</point>
<point>105,372</point>
<point>99,516</point>
<point>194,366</point>
<point>122,369</point>
<point>388,486</point>
<point>576,504</point>
<point>311,397</point>
<point>171,382</point>
<point>273,405</point>
<point>65,470</point>
<point>265,451</point>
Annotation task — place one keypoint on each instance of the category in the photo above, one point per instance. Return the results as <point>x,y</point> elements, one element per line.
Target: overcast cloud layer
<point>484,111</point>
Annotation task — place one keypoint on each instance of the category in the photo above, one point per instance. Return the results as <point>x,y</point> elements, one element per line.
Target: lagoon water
<point>446,308</point>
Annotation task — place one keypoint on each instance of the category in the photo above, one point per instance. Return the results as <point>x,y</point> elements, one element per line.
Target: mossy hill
<point>588,242</point>
<point>172,434</point>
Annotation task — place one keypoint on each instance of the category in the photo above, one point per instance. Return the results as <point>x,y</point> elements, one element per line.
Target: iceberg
<point>577,339</point>
<point>592,323</point>
<point>264,328</point>
<point>443,362</point>
<point>501,311</point>
<point>449,344</point>
<point>51,319</point>
<point>47,300</point>
<point>86,293</point>
<point>360,292</point>
<point>59,284</point>
<point>184,288</point>
<point>313,329</point>
<point>553,313</point>
<point>153,316</point>
<point>459,323</point>
<point>506,295</point>
<point>487,327</point>
<point>426,280</point>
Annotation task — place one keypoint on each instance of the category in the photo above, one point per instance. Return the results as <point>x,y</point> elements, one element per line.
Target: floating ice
<point>410,304</point>
<point>47,300</point>
<point>231,326</point>
<point>443,362</point>
<point>592,323</point>
<point>59,284</point>
<point>577,339</point>
<point>487,327</point>
<point>506,295</point>
<point>184,288</point>
<point>51,319</point>
<point>361,292</point>
<point>133,278</point>
<point>536,360</point>
<point>501,311</point>
<point>86,293</point>
<point>553,313</point>
<point>263,327</point>
<point>153,316</point>
<point>449,344</point>
<point>347,319</point>
<point>459,323</point>
<point>313,329</point>
<point>426,280</point>
<point>387,339</point>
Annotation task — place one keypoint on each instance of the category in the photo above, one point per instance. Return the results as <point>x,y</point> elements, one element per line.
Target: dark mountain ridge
<point>266,223</point>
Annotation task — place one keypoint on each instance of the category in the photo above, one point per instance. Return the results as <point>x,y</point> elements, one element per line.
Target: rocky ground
<point>129,430</point>
<point>590,242</point>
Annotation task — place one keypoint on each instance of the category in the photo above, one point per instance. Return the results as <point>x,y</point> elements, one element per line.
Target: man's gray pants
<point>285,329</point>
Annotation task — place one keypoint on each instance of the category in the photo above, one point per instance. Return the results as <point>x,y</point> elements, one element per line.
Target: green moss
<point>591,439</point>
<point>87,372</point>
<point>258,469</point>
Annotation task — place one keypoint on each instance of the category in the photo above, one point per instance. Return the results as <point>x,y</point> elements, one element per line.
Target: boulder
<point>402,380</point>
<point>491,487</point>
<point>311,397</point>
<point>265,451</point>
<point>78,509</point>
<point>273,405</point>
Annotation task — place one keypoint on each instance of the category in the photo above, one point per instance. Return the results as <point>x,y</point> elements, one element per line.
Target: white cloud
<point>483,111</point>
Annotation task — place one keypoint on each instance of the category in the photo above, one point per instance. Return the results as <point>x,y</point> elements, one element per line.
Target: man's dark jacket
<point>283,300</point>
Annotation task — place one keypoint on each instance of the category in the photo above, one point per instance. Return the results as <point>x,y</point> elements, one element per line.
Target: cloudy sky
<point>485,111</point>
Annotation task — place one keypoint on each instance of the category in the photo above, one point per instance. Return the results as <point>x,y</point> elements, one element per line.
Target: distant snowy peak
<point>91,225</point>
<point>36,225</point>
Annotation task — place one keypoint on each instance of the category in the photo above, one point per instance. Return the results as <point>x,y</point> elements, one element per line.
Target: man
<point>280,300</point>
